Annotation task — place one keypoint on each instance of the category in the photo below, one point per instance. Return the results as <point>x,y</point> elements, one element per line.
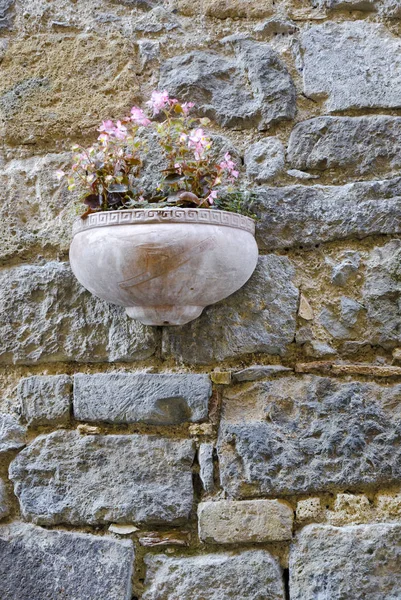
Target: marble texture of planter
<point>163,265</point>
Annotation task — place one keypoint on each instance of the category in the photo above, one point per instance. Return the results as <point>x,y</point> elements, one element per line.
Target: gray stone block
<point>47,316</point>
<point>248,521</point>
<point>307,434</point>
<point>68,478</point>
<point>36,564</point>
<point>12,434</point>
<point>260,317</point>
<point>352,65</point>
<point>358,562</point>
<point>353,145</point>
<point>248,575</point>
<point>256,372</point>
<point>45,399</point>
<point>206,466</point>
<point>6,14</point>
<point>303,215</point>
<point>382,295</point>
<point>253,88</point>
<point>158,399</point>
<point>264,159</point>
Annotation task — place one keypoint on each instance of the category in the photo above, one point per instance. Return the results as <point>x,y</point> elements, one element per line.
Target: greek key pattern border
<point>167,215</point>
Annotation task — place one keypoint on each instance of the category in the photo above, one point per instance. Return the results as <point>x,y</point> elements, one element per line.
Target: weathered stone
<point>382,295</point>
<point>156,20</point>
<point>6,12</point>
<point>243,9</point>
<point>318,349</point>
<point>36,563</point>
<point>350,509</point>
<point>335,326</point>
<point>206,466</point>
<point>362,561</point>
<point>305,310</point>
<point>258,318</point>
<point>307,434</point>
<point>264,159</point>
<point>44,76</point>
<point>221,377</point>
<point>342,271</point>
<point>350,309</point>
<point>353,145</point>
<point>309,509</point>
<point>293,215</point>
<point>104,479</point>
<point>45,399</point>
<point>363,5</point>
<point>248,575</point>
<point>277,24</point>
<point>36,211</point>
<point>352,65</point>
<point>257,372</point>
<point>47,317</point>
<point>157,399</point>
<point>4,507</point>
<point>12,434</point>
<point>388,506</point>
<point>252,89</point>
<point>249,521</point>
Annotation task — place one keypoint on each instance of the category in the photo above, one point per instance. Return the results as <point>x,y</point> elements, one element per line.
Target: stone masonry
<point>255,452</point>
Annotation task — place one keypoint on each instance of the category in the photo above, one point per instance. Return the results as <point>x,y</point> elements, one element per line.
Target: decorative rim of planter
<point>205,216</point>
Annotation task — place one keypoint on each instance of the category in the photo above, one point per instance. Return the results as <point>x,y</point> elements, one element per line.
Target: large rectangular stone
<point>248,575</point>
<point>308,434</point>
<point>358,562</point>
<point>248,521</point>
<point>307,215</point>
<point>68,478</point>
<point>157,399</point>
<point>36,564</point>
<point>45,399</point>
<point>353,146</point>
<point>352,65</point>
<point>260,317</point>
<point>47,316</point>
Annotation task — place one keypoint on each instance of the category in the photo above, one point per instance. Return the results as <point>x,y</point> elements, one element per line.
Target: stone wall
<point>254,453</point>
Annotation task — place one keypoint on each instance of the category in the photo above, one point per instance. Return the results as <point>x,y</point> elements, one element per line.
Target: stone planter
<point>163,265</point>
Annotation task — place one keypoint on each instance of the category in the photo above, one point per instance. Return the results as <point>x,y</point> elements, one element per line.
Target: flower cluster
<point>108,173</point>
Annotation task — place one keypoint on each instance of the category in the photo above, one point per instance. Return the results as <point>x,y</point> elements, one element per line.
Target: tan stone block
<point>389,506</point>
<point>309,510</point>
<point>58,87</point>
<point>305,310</point>
<point>221,377</point>
<point>230,522</point>
<point>245,9</point>
<point>350,508</point>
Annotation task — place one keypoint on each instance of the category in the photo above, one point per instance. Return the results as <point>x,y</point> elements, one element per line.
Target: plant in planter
<point>163,255</point>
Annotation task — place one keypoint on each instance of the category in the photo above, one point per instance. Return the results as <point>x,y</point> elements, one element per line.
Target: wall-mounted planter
<point>163,265</point>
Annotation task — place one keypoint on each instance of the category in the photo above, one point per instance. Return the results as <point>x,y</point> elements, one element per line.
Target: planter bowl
<point>163,265</point>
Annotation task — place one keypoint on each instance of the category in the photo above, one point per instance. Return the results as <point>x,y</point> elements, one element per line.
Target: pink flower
<point>199,142</point>
<point>229,165</point>
<point>212,197</point>
<point>120,131</point>
<point>186,107</point>
<point>139,117</point>
<point>60,174</point>
<point>107,127</point>
<point>158,101</point>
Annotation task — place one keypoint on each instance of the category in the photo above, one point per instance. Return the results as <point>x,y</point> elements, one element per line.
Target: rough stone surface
<point>47,316</point>
<point>253,88</point>
<point>104,479</point>
<point>362,561</point>
<point>343,270</point>
<point>264,159</point>
<point>160,399</point>
<point>382,295</point>
<point>309,510</point>
<point>353,65</point>
<point>6,11</point>
<point>206,466</point>
<point>258,318</point>
<point>41,99</point>
<point>45,399</point>
<point>36,211</point>
<point>40,564</point>
<point>243,9</point>
<point>293,215</point>
<point>249,575</point>
<point>308,434</point>
<point>12,434</point>
<point>354,145</point>
<point>4,506</point>
<point>249,521</point>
